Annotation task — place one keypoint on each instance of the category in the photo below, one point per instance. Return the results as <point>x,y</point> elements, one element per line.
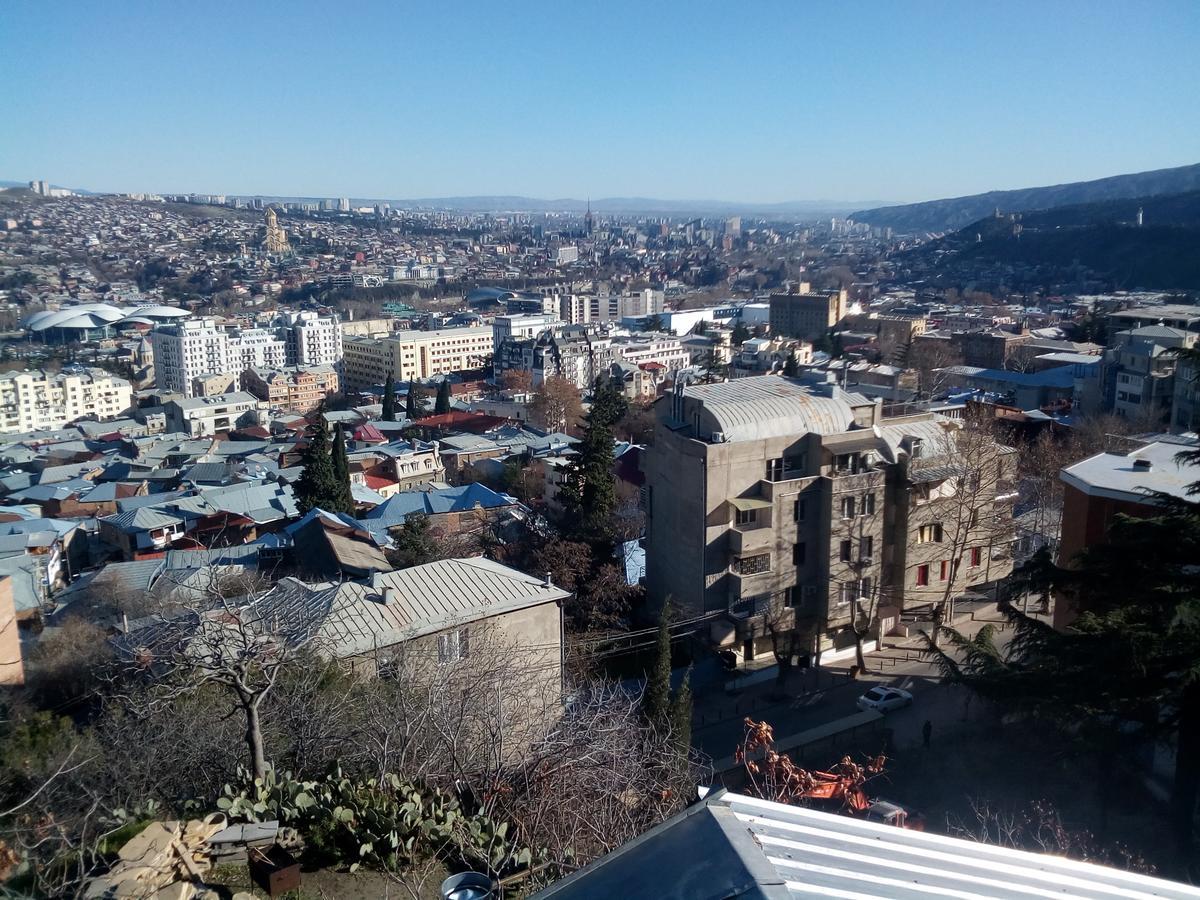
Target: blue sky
<point>740,101</point>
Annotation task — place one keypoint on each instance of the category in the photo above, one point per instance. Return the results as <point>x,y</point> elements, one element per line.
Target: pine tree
<point>442,404</point>
<point>681,713</point>
<point>341,474</point>
<point>740,335</point>
<point>389,399</point>
<point>317,485</point>
<point>656,699</point>
<point>791,368</point>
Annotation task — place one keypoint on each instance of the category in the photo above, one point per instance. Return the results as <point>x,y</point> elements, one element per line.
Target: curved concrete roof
<point>97,315</point>
<point>750,409</point>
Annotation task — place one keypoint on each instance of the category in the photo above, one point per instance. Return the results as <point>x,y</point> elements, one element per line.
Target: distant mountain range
<point>957,212</point>
<point>1054,245</point>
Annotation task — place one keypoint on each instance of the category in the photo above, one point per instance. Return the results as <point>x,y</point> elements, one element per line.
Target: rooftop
<point>729,845</point>
<point>1115,475</point>
<point>766,406</point>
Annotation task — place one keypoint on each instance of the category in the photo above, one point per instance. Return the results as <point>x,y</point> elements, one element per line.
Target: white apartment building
<point>415,355</point>
<point>615,307</point>
<point>196,347</point>
<point>188,349</point>
<point>255,348</point>
<point>39,401</point>
<point>313,340</point>
<point>665,350</point>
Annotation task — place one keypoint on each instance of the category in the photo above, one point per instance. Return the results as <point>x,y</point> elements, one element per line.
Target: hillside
<point>1099,241</point>
<point>957,212</point>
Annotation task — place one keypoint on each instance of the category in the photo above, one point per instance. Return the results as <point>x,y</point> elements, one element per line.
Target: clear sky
<point>749,101</point>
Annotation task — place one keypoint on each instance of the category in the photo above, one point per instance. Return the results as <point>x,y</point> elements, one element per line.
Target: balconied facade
<point>769,497</point>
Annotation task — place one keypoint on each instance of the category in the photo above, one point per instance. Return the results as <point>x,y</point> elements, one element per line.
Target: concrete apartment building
<point>896,334</point>
<point>207,416</point>
<point>415,355</point>
<point>1140,382</point>
<point>297,389</point>
<point>36,400</point>
<point>768,493</point>
<point>805,313</point>
<point>193,348</point>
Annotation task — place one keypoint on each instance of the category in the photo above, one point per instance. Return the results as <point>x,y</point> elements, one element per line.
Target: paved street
<point>717,726</point>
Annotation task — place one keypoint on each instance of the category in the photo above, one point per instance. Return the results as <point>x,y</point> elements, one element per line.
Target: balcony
<point>745,540</point>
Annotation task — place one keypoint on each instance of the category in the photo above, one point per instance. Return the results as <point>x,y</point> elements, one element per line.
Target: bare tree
<point>224,638</point>
<point>556,405</point>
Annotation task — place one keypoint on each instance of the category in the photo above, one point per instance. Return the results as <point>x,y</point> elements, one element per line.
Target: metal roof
<point>730,845</point>
<point>352,618</point>
<point>765,406</point>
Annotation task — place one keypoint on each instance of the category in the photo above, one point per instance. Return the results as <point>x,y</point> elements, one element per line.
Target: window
<point>847,507</point>
<point>922,576</point>
<point>775,469</point>
<point>864,587</point>
<point>976,557</point>
<point>845,554</point>
<point>915,449</point>
<point>753,565</point>
<point>945,569</point>
<point>930,534</point>
<point>799,509</point>
<point>799,553</point>
<point>846,592</point>
<point>746,516</point>
<point>869,505</point>
<point>868,546</point>
<point>453,646</point>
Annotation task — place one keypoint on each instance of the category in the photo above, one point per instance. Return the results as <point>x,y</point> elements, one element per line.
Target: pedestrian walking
<point>926,733</point>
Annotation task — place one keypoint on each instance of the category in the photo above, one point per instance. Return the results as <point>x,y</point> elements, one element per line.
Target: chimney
<point>549,582</point>
<point>1143,465</point>
<point>387,595</point>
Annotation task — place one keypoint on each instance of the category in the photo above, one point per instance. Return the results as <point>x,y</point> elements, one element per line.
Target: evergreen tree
<point>413,407</point>
<point>681,713</point>
<point>791,368</point>
<point>1127,670</point>
<point>442,404</point>
<point>341,474</point>
<point>656,699</point>
<point>389,399</point>
<point>317,485</point>
<point>589,495</point>
<point>741,334</point>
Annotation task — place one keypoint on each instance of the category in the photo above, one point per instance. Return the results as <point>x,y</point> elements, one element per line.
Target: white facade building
<point>207,416</point>
<point>186,350</point>
<point>313,340</point>
<point>415,355</point>
<point>38,401</point>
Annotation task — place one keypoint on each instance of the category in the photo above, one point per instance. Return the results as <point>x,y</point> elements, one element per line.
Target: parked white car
<point>885,699</point>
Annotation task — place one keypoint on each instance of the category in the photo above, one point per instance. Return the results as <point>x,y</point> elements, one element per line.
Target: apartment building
<point>769,494</point>
<point>36,400</point>
<point>208,416</point>
<point>805,313</point>
<point>665,350</point>
<point>896,333</point>
<point>415,355</point>
<point>298,389</point>
<point>201,347</point>
<point>1140,381</point>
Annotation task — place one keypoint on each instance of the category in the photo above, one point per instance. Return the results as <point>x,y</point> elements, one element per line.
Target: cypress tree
<point>341,474</point>
<point>442,405</point>
<point>317,485</point>
<point>412,403</point>
<point>589,495</point>
<point>389,399</point>
<point>656,699</point>
<point>681,713</point>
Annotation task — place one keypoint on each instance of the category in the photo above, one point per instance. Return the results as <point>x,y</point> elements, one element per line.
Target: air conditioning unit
<point>718,437</point>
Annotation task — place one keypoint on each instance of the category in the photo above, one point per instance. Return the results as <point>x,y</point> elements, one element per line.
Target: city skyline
<point>677,103</point>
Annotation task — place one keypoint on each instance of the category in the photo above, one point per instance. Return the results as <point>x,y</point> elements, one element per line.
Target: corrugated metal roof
<point>736,846</point>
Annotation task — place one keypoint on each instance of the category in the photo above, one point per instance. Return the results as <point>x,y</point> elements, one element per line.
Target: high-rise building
<point>344,204</point>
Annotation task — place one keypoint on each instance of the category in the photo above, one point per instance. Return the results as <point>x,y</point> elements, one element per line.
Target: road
<point>717,724</point>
